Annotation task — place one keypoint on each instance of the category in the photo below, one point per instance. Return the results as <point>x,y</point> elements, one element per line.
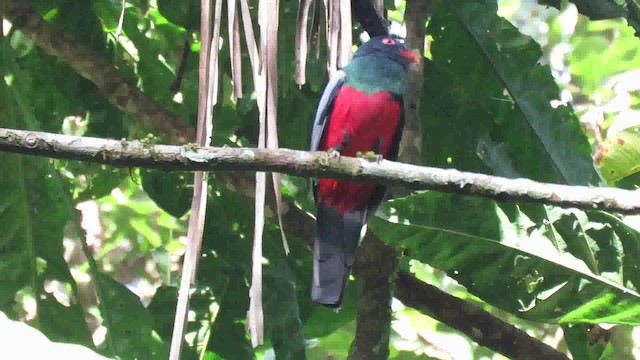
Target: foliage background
<point>90,254</point>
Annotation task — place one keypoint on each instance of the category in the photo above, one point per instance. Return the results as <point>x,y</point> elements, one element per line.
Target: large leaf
<point>170,191</point>
<point>33,214</point>
<point>63,323</point>
<point>540,263</point>
<point>228,336</point>
<point>182,13</point>
<point>605,9</point>
<point>34,208</point>
<point>162,309</point>
<point>129,325</point>
<point>483,110</point>
<point>619,155</point>
<point>594,9</point>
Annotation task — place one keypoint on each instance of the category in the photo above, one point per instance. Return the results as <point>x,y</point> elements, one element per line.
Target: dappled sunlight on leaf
<point>543,275</point>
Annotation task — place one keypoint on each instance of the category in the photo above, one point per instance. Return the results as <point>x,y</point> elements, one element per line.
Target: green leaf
<point>228,337</point>
<point>171,191</point>
<point>129,324</point>
<point>155,69</point>
<point>181,13</point>
<point>619,254</point>
<point>335,344</point>
<point>63,323</point>
<point>92,181</point>
<point>496,111</point>
<point>163,310</point>
<point>282,314</point>
<point>594,9</point>
<point>619,155</point>
<point>34,209</point>
<point>578,342</point>
<point>521,258</point>
<point>21,43</point>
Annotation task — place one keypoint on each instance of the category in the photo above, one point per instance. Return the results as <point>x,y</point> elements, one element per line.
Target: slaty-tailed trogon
<point>360,111</point>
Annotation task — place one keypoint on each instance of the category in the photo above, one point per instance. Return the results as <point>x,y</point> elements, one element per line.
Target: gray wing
<point>325,106</point>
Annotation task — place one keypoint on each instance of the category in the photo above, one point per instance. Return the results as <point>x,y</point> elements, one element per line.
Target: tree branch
<point>301,163</point>
<point>482,327</point>
<point>375,268</point>
<point>415,18</point>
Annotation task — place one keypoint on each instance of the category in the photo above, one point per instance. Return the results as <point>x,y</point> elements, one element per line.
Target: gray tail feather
<point>337,237</point>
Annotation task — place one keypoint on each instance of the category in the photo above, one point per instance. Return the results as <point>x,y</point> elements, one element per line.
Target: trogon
<point>360,111</point>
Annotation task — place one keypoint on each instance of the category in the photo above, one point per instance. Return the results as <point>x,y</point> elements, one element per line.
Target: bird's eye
<point>388,41</point>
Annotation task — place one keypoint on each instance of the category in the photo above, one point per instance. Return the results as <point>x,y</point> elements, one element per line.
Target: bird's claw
<point>333,154</point>
<point>328,156</point>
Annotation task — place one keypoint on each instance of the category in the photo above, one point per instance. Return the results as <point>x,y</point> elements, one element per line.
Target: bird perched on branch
<point>360,112</point>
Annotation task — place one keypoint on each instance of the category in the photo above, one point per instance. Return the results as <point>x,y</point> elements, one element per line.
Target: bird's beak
<point>410,55</point>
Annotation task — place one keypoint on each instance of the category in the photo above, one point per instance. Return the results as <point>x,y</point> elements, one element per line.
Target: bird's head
<point>390,47</point>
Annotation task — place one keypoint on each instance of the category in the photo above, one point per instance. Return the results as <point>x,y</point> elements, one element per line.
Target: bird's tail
<point>337,237</point>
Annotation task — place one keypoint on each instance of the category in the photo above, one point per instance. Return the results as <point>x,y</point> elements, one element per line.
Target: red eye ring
<point>388,41</point>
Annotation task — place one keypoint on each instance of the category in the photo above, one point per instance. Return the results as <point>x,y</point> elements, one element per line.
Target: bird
<point>360,112</point>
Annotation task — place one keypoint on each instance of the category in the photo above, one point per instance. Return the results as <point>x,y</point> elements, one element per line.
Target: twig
<point>235,51</point>
<point>301,163</point>
<point>375,268</point>
<point>302,42</point>
<point>182,64</point>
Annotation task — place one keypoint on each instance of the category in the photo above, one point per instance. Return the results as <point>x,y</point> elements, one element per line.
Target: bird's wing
<point>381,190</point>
<point>395,144</point>
<point>325,107</point>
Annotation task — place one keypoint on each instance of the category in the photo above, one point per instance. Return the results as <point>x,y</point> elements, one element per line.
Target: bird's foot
<point>370,156</point>
<point>333,153</point>
<point>329,155</point>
